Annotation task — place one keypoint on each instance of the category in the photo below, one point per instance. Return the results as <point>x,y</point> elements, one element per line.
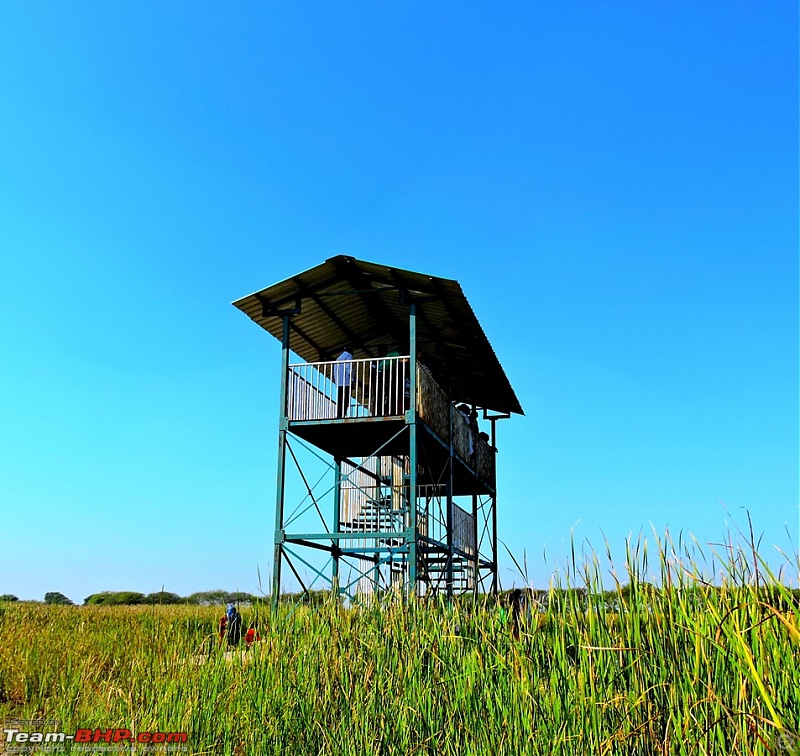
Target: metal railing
<point>364,388</point>
<point>433,508</point>
<point>463,531</point>
<point>349,388</point>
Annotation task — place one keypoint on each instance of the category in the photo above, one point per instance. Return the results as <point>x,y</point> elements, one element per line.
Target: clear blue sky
<point>614,185</point>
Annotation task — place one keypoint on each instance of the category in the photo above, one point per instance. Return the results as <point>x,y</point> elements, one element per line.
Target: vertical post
<point>411,421</point>
<point>449,513</point>
<point>476,555</point>
<point>283,426</point>
<point>493,499</point>
<point>337,500</point>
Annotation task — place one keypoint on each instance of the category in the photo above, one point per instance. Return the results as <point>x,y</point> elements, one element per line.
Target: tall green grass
<point>686,667</point>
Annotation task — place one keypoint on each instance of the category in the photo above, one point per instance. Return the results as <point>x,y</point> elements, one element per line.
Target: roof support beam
<point>269,311</point>
<point>431,332</point>
<point>359,281</point>
<point>307,292</point>
<point>310,289</point>
<point>445,301</point>
<point>303,335</point>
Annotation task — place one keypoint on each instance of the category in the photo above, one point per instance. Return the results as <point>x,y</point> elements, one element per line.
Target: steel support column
<point>283,425</point>
<point>493,499</point>
<point>449,513</point>
<point>337,500</point>
<point>411,421</point>
<point>476,561</point>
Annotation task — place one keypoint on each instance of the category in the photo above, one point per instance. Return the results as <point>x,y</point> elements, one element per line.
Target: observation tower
<point>390,394</point>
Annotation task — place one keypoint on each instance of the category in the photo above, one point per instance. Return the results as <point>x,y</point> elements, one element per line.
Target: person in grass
<point>222,627</point>
<point>520,611</point>
<point>251,636</point>
<point>234,625</point>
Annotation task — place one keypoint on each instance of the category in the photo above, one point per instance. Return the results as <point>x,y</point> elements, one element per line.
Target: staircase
<point>377,515</point>
<point>433,571</point>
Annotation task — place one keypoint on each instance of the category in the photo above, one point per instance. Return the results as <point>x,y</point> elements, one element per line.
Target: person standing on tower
<point>343,378</point>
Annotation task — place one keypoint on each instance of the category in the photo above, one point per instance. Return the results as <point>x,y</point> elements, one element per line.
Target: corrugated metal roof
<point>363,304</point>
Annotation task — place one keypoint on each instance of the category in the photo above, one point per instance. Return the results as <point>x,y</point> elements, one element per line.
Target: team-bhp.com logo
<point>22,736</point>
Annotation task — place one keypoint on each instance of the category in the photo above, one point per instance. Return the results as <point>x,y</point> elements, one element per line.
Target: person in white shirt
<point>343,378</point>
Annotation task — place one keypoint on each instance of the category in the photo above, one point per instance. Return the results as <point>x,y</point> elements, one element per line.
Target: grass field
<point>684,669</point>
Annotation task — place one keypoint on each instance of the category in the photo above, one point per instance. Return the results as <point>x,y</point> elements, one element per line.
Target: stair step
<point>374,518</point>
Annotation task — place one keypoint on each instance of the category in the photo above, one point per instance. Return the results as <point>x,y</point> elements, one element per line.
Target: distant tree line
<point>134,598</point>
<point>613,600</point>
<point>53,597</point>
<point>202,598</point>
